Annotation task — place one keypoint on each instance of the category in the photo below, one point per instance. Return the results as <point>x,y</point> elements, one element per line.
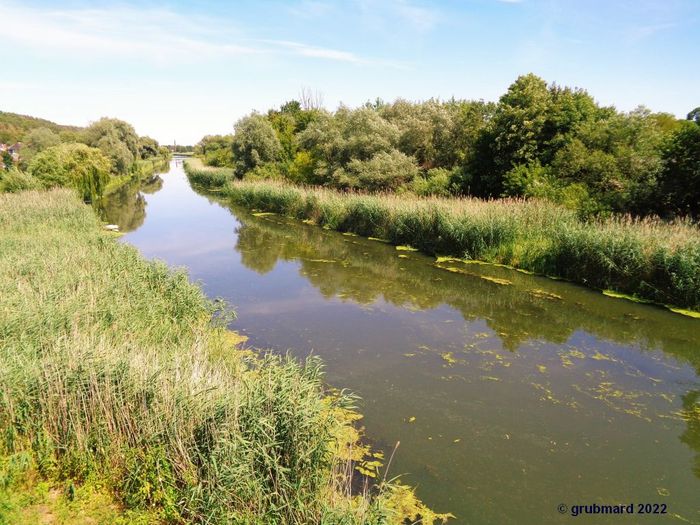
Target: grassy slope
<point>116,388</point>
<point>649,259</point>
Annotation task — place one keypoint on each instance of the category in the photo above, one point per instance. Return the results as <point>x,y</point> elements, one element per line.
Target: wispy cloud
<point>641,32</point>
<point>399,13</point>
<point>310,9</point>
<point>149,34</point>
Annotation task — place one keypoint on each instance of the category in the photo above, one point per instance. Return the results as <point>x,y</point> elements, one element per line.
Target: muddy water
<point>510,394</point>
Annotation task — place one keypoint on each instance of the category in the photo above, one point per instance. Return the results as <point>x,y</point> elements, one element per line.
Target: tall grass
<point>111,368</point>
<point>649,258</point>
<point>207,176</point>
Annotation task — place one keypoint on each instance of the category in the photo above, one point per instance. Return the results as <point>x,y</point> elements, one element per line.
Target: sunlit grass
<point>111,369</point>
<point>649,258</point>
<point>207,176</point>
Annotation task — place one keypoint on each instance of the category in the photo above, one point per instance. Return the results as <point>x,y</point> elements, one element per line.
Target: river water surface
<point>510,394</point>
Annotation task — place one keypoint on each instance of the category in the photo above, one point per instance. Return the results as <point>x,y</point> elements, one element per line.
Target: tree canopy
<point>539,140</point>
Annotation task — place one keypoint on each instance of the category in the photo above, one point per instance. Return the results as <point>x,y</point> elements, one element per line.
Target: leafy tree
<point>694,115</point>
<point>117,140</point>
<point>255,142</point>
<point>530,124</point>
<point>72,165</point>
<point>148,148</point>
<point>679,180</point>
<point>216,150</point>
<point>336,140</point>
<point>37,140</point>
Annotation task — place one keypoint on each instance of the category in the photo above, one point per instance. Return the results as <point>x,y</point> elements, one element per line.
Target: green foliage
<point>129,382</point>
<point>14,180</point>
<point>436,182</point>
<point>216,150</point>
<point>694,115</point>
<point>7,161</point>
<point>540,140</point>
<point>255,142</point>
<point>148,148</point>
<point>14,127</point>
<point>72,165</point>
<point>647,258</point>
<point>383,172</point>
<point>680,178</point>
<point>207,176</point>
<point>117,140</point>
<point>36,141</point>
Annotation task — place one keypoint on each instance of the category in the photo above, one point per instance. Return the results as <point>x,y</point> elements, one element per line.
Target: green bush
<point>436,182</point>
<point>383,172</point>
<point>72,165</point>
<point>15,180</point>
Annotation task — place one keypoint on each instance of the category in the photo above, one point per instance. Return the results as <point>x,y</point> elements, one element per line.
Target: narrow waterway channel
<point>510,394</point>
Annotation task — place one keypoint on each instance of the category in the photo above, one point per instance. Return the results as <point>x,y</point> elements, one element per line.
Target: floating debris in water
<point>543,294</point>
<point>448,357</point>
<point>321,260</point>
<point>497,280</point>
<point>441,259</point>
<point>263,214</point>
<point>406,248</point>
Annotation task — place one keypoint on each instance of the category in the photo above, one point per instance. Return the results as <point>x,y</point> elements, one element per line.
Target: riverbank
<point>143,170</point>
<point>648,259</point>
<point>115,382</point>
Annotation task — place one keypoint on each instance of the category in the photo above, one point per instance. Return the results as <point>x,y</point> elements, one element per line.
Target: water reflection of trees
<point>126,206</point>
<point>365,271</point>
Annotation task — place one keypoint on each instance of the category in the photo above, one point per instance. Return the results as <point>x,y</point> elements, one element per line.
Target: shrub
<point>15,180</point>
<point>383,172</point>
<point>72,165</point>
<point>435,182</point>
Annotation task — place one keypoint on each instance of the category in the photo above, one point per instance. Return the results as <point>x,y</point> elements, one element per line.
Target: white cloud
<point>152,35</point>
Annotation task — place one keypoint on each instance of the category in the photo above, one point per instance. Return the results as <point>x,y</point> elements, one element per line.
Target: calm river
<point>508,399</point>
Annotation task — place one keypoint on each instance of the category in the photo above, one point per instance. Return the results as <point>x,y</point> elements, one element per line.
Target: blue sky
<point>178,70</point>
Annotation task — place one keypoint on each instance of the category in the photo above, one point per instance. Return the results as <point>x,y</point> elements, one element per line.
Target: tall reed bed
<point>111,368</point>
<point>649,258</point>
<point>207,176</point>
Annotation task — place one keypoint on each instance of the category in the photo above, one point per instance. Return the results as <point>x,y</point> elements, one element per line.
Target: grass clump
<point>113,374</point>
<point>647,258</point>
<point>207,176</point>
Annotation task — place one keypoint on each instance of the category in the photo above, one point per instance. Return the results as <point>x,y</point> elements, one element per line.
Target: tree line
<point>539,140</point>
<point>85,158</point>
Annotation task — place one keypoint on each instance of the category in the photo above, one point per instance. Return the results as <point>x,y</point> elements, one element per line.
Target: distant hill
<point>13,127</point>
